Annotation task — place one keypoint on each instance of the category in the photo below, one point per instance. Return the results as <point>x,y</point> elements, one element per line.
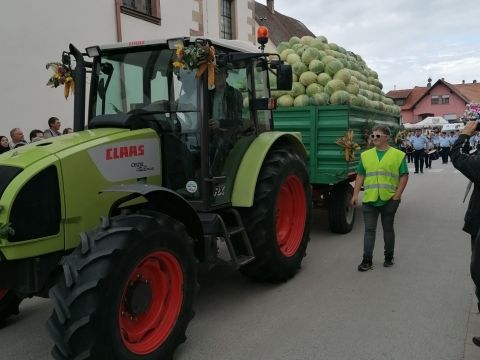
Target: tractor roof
<point>235,45</point>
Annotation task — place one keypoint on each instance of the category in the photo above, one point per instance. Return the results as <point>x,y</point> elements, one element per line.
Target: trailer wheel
<point>341,216</point>
<point>127,291</point>
<point>9,302</point>
<point>278,223</point>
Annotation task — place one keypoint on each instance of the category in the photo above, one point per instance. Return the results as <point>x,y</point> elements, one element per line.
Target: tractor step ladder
<point>233,231</point>
<point>236,233</point>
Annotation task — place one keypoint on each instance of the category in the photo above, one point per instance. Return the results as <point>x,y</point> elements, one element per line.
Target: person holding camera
<point>469,165</point>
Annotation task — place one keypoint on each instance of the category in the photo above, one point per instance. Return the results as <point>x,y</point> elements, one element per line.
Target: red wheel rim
<point>3,292</point>
<point>156,286</point>
<point>291,215</point>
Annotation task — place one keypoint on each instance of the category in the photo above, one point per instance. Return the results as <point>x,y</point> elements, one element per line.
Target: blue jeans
<point>370,217</point>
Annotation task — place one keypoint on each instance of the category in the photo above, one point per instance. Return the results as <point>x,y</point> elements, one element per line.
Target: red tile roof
<point>467,92</point>
<point>414,96</point>
<point>280,27</point>
<point>398,94</point>
<point>471,91</point>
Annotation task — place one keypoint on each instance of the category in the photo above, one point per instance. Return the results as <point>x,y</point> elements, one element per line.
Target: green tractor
<point>181,176</point>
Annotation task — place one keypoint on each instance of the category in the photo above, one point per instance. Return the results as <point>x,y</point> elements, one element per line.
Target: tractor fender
<point>167,202</point>
<point>249,169</point>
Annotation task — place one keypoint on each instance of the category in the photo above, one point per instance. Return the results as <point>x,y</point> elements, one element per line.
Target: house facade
<point>36,33</point>
<point>440,99</point>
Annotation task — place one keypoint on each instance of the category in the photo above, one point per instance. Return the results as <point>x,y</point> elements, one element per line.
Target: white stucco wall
<point>243,12</point>
<point>33,33</point>
<point>176,20</point>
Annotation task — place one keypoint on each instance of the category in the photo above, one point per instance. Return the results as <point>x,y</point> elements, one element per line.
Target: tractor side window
<point>262,91</point>
<point>237,79</point>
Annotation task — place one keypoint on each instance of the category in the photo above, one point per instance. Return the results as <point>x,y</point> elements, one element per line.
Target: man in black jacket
<point>469,165</point>
<point>225,120</point>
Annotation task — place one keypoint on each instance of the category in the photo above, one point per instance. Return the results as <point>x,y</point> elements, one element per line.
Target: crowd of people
<point>423,146</point>
<point>17,138</point>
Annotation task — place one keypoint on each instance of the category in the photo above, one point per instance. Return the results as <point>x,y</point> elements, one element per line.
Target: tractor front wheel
<point>9,302</point>
<point>127,291</point>
<point>278,223</point>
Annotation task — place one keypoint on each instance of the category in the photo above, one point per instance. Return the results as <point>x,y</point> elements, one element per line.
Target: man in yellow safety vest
<point>383,172</point>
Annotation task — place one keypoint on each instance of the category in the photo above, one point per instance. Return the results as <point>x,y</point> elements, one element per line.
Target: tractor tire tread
<point>264,267</point>
<point>85,272</point>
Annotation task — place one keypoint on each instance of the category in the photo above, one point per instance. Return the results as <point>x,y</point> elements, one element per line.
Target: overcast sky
<point>405,41</point>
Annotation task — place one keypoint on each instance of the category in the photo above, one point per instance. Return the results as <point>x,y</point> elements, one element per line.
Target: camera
<point>477,128</point>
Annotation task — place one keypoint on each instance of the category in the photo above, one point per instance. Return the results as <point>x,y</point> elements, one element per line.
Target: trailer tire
<point>278,223</point>
<point>127,292</point>
<point>341,216</point>
<point>9,302</point>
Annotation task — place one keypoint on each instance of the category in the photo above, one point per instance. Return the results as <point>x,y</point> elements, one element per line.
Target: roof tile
<point>280,27</point>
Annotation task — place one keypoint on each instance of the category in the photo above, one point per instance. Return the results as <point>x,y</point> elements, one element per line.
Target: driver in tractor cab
<point>225,120</point>
<point>187,101</point>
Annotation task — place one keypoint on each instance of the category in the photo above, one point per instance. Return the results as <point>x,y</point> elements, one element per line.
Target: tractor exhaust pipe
<point>79,77</point>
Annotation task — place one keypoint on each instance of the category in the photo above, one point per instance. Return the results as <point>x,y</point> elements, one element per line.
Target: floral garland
<point>472,111</point>
<point>62,75</point>
<point>197,56</point>
<point>348,144</point>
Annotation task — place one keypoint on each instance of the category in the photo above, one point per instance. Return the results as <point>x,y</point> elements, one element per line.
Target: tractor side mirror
<point>107,68</point>
<point>284,77</point>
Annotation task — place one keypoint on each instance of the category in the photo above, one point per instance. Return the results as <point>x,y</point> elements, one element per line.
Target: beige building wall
<point>33,33</point>
<point>176,20</point>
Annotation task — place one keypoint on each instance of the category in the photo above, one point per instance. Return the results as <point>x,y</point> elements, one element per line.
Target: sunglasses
<point>378,136</point>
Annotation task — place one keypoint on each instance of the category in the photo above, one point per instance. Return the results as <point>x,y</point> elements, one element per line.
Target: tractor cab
<point>206,100</point>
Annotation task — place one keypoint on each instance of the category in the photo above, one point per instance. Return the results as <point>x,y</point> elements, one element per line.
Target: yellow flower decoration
<point>197,56</point>
<point>62,75</point>
<point>348,144</point>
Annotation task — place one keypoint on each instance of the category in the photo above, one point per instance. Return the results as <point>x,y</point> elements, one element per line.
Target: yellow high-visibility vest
<point>381,177</point>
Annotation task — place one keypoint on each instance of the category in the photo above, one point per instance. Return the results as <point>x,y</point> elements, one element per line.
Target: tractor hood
<point>32,153</point>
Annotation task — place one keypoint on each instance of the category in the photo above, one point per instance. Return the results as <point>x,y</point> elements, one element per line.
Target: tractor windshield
<point>144,80</point>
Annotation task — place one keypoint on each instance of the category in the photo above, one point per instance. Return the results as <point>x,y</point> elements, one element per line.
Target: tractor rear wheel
<point>127,291</point>
<point>278,223</point>
<point>9,302</point>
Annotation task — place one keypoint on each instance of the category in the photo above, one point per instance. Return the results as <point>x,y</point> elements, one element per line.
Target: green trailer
<point>331,173</point>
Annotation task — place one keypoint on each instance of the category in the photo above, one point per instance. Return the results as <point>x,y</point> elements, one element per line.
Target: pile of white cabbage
<point>325,73</point>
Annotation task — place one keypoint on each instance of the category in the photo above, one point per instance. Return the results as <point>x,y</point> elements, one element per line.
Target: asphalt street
<point>421,308</point>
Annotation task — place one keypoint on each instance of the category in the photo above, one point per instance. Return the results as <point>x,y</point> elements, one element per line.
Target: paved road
<point>419,309</point>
